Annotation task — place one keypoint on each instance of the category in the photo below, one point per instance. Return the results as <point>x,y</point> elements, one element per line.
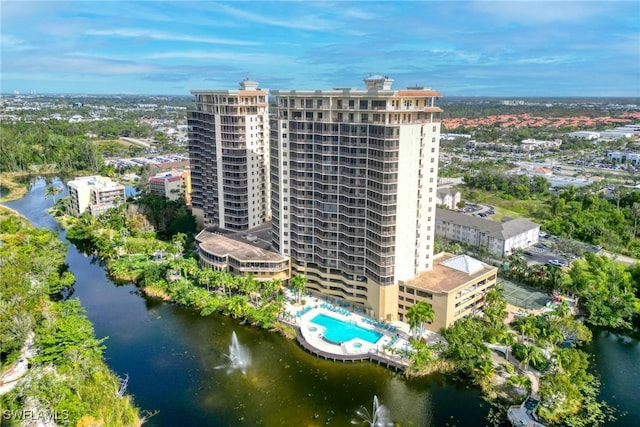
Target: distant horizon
<point>466,48</point>
<point>189,95</point>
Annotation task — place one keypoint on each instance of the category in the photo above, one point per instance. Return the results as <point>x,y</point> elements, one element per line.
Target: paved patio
<point>395,335</point>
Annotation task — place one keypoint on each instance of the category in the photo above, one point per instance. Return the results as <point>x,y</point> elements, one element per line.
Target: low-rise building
<point>624,157</point>
<point>455,288</point>
<point>448,197</point>
<point>171,185</point>
<point>243,253</point>
<point>500,238</point>
<point>583,134</point>
<point>95,194</point>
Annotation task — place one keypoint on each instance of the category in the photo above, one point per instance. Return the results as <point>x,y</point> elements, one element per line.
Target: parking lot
<point>543,253</point>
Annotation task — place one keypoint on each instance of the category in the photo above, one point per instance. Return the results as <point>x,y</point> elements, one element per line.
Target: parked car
<point>555,263</point>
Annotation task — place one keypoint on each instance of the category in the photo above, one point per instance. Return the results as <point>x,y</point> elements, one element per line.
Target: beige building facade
<point>455,288</point>
<point>95,194</point>
<point>228,149</point>
<point>354,180</point>
<point>171,185</point>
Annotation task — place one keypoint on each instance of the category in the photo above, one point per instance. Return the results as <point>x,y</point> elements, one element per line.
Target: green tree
<point>495,310</point>
<point>418,315</point>
<point>298,285</point>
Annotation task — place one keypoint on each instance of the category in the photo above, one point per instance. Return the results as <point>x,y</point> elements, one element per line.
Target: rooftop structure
<point>243,253</point>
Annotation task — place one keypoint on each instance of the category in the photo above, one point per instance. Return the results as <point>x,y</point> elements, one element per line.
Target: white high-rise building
<point>228,143</point>
<point>354,181</point>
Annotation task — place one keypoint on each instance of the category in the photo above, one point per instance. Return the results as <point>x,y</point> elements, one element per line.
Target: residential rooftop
<point>508,228</point>
<point>251,245</point>
<point>449,273</point>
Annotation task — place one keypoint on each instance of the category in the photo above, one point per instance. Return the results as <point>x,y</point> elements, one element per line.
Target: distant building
<point>171,185</point>
<point>624,157</point>
<point>95,194</point>
<point>591,136</point>
<point>618,133</point>
<point>539,171</point>
<point>449,198</point>
<point>455,288</point>
<point>500,238</point>
<point>537,144</point>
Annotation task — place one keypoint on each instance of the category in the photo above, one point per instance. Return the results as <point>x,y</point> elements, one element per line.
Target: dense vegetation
<point>67,376</point>
<point>167,268</point>
<point>588,214</point>
<point>44,139</point>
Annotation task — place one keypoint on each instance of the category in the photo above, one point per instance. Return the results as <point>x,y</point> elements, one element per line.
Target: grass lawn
<point>533,209</point>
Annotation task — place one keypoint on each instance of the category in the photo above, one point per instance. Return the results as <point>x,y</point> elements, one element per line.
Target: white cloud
<point>301,21</point>
<point>158,35</point>
<point>11,43</point>
<point>544,60</point>
<point>256,58</point>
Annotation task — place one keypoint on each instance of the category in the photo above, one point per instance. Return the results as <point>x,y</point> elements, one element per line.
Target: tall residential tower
<point>228,143</point>
<point>353,179</point>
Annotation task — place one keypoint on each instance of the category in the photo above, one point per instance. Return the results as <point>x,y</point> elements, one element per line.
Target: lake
<point>178,364</point>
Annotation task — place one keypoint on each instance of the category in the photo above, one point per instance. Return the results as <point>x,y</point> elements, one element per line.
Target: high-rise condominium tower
<point>353,178</point>
<point>228,143</point>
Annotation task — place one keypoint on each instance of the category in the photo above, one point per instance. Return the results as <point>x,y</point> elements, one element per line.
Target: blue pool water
<point>338,331</point>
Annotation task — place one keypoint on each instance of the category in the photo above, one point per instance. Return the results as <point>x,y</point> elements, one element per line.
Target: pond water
<point>178,363</point>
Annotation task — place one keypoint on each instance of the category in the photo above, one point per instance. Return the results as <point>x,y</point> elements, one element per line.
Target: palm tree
<point>528,328</point>
<point>236,305</point>
<point>483,372</point>
<point>531,354</point>
<point>418,315</point>
<point>52,190</point>
<point>178,240</point>
<point>298,285</point>
<point>554,336</point>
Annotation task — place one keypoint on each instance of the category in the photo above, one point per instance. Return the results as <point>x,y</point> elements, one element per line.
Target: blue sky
<point>461,48</point>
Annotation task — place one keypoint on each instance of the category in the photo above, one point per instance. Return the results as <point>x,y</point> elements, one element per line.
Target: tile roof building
<point>500,238</point>
<point>455,288</point>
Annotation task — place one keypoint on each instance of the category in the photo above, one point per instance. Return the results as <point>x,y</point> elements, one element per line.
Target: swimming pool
<point>338,331</point>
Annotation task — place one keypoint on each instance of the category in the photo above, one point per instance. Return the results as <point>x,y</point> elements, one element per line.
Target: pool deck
<point>310,336</point>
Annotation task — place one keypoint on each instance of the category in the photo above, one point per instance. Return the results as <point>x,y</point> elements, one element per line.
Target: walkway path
<point>9,379</point>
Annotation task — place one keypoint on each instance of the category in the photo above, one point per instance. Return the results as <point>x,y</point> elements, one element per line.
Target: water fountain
<point>379,416</point>
<point>238,355</point>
